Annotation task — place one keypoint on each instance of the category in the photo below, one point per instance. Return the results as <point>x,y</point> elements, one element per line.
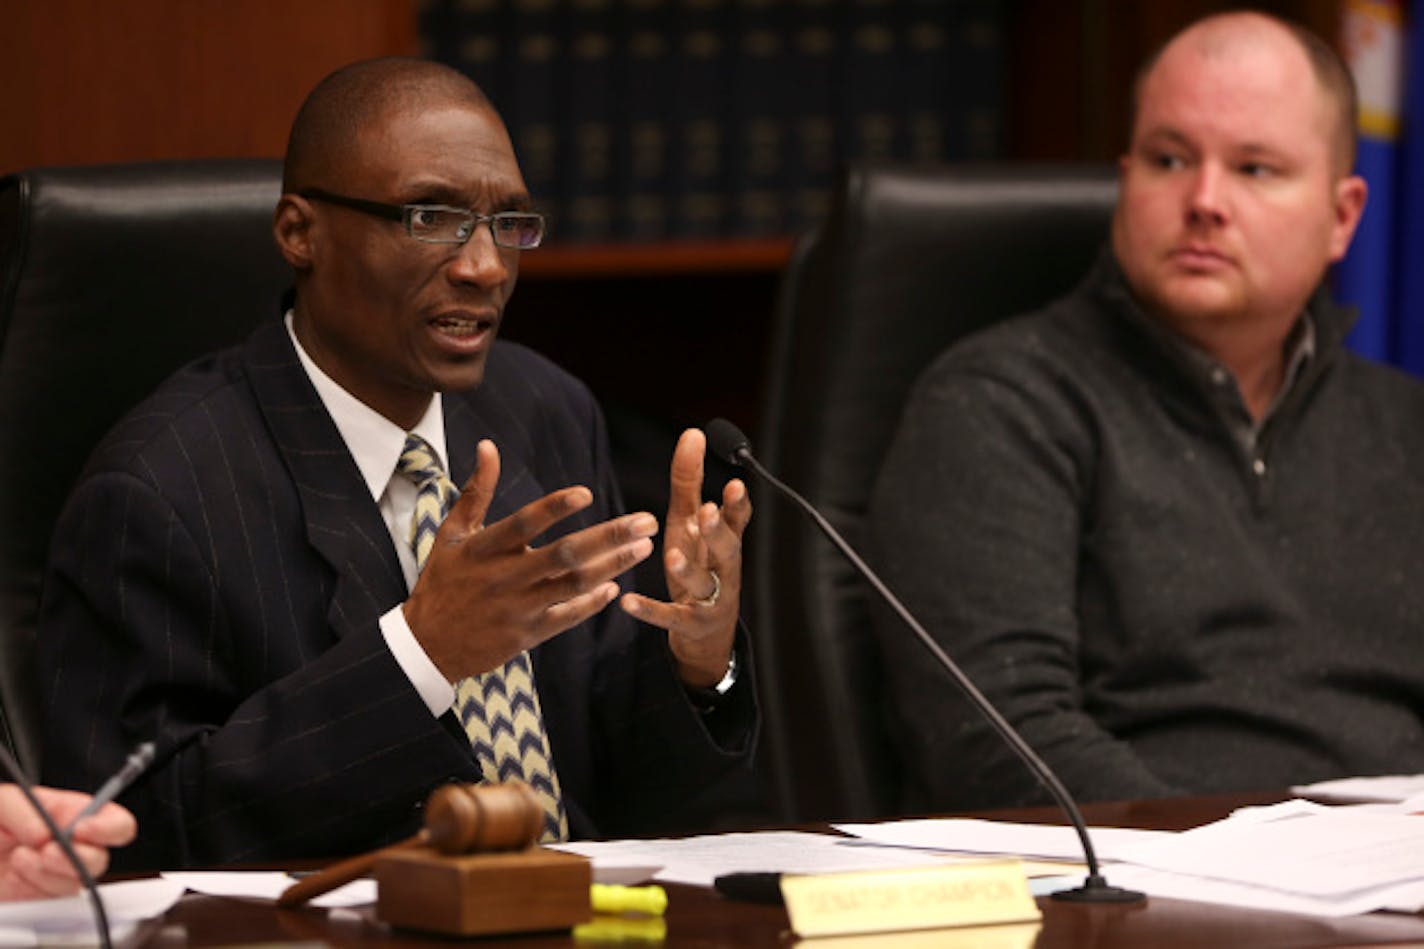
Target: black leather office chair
<point>908,261</point>
<point>111,277</point>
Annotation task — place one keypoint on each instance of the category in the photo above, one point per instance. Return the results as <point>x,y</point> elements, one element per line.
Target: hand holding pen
<point>138,761</point>
<point>31,864</point>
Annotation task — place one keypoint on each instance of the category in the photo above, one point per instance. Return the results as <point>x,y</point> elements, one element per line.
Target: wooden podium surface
<point>701,918</point>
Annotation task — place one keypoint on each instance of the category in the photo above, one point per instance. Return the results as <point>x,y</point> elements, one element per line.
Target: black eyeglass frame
<point>404,213</point>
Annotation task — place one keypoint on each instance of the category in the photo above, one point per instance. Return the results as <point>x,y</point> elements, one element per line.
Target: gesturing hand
<point>484,595</point>
<point>702,556</point>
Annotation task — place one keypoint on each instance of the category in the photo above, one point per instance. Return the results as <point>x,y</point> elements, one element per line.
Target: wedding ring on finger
<point>711,598</point>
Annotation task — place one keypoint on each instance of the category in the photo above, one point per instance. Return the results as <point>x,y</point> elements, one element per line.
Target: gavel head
<point>470,818</point>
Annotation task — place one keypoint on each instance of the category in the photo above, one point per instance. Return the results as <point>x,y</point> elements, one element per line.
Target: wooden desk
<point>701,918</point>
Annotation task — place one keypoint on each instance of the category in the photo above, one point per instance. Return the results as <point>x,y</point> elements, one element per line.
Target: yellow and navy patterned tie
<point>499,709</point>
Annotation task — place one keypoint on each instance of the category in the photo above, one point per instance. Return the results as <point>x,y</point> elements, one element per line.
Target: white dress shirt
<point>376,443</point>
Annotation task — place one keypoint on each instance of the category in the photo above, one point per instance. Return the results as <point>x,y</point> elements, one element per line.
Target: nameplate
<point>997,936</point>
<point>878,901</point>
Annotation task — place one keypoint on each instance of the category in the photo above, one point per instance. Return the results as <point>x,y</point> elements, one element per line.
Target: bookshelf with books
<point>678,146</point>
<point>675,119</point>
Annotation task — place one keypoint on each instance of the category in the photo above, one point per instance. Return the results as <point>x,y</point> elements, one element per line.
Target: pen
<point>140,759</point>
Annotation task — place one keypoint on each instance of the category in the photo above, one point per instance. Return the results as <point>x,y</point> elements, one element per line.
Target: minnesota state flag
<point>1383,274</point>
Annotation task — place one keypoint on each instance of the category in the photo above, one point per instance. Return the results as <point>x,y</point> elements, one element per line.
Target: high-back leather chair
<point>908,261</point>
<point>111,277</point>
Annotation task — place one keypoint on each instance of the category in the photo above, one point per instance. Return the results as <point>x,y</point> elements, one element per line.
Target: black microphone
<point>728,443</point>
<point>101,919</point>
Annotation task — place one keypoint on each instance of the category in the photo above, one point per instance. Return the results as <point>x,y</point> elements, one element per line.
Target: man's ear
<point>1350,194</point>
<point>292,225</point>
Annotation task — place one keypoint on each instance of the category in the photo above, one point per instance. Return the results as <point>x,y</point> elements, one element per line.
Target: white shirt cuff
<point>435,691</point>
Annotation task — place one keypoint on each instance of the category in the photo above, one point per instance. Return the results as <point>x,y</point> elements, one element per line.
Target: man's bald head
<point>1235,192</point>
<point>1226,33</point>
<point>325,132</point>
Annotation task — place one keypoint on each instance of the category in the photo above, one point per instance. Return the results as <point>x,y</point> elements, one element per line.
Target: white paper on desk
<point>1294,807</point>
<point>967,835</point>
<point>1383,789</point>
<point>700,860</point>
<point>1407,897</point>
<point>25,922</point>
<point>624,872</point>
<point>1335,853</point>
<point>267,885</point>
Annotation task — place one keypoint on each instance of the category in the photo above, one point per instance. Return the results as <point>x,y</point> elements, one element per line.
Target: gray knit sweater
<point>1157,609</point>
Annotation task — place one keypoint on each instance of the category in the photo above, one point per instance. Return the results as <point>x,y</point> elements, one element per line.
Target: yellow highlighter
<point>621,930</point>
<point>616,900</point>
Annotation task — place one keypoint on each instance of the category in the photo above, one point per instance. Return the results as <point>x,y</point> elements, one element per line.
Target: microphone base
<point>1096,889</point>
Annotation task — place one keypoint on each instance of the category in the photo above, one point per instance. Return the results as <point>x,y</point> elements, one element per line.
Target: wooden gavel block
<point>482,872</point>
<point>474,869</point>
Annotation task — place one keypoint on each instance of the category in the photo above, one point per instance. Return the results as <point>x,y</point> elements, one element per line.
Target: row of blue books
<point>653,119</point>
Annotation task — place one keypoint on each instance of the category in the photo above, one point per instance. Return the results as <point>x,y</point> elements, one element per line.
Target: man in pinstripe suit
<point>232,576</point>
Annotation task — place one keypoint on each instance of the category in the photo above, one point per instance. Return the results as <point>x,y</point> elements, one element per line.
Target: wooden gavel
<point>459,819</point>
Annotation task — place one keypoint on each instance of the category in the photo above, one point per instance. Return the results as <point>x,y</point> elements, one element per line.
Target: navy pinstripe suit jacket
<point>215,585</point>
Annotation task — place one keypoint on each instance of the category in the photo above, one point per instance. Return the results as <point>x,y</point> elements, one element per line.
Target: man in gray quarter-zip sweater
<point>1169,526</point>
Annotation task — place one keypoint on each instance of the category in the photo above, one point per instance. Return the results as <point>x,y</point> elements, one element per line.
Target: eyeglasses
<point>442,224</point>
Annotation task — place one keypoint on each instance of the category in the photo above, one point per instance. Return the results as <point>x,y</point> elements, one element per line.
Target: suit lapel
<point>343,524</point>
<point>466,422</point>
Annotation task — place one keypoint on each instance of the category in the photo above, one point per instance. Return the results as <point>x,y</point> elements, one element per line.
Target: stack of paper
<point>1384,789</point>
<point>1035,841</point>
<point>700,860</point>
<point>1296,857</point>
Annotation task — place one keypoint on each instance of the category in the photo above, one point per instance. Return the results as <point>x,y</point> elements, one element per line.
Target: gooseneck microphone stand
<point>728,443</point>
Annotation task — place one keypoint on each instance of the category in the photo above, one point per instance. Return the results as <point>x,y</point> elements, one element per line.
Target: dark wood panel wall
<point>1072,63</point>
<point>84,81</point>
